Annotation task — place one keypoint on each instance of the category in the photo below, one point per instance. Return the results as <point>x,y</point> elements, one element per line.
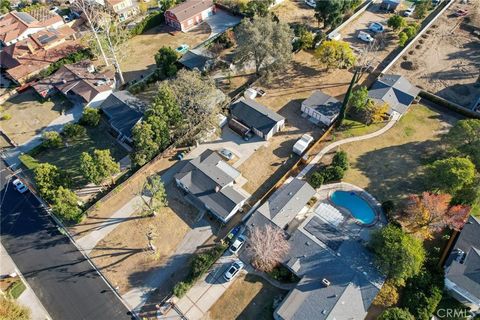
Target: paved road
<point>64,281</point>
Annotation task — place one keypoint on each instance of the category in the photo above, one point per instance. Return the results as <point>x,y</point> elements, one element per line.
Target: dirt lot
<point>29,115</point>
<point>284,95</point>
<point>295,11</point>
<point>250,297</point>
<point>123,256</point>
<point>142,48</point>
<point>390,166</point>
<point>446,60</point>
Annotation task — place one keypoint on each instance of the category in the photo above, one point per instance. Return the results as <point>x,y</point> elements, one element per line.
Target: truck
<point>302,144</point>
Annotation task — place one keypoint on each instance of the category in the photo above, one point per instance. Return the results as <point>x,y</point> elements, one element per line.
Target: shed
<point>322,107</point>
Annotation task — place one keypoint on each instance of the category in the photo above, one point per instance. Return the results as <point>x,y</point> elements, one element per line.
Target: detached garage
<point>189,14</point>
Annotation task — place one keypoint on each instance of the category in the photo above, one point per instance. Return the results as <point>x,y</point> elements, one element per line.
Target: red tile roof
<point>190,8</point>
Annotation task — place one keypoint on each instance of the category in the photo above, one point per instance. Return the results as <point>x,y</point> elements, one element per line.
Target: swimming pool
<point>358,207</point>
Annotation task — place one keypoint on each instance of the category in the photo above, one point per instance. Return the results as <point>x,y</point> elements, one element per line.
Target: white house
<point>321,107</point>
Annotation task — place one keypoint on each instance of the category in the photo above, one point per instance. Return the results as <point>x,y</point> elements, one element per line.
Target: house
<point>122,111</point>
<point>78,81</point>
<point>321,107</point>
<point>256,117</point>
<point>188,14</point>
<point>212,185</point>
<point>337,276</point>
<point>390,5</point>
<point>462,268</point>
<point>124,9</point>
<point>16,26</point>
<point>394,90</point>
<point>197,59</point>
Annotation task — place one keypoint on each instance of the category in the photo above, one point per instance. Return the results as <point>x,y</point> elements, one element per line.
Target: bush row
<point>152,20</point>
<point>74,57</point>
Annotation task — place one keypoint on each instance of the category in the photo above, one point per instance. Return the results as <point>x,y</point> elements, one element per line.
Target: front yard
<point>249,297</point>
<point>29,115</point>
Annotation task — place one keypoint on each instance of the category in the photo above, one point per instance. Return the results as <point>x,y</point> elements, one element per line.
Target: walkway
<point>28,298</point>
<point>72,115</point>
<point>395,117</point>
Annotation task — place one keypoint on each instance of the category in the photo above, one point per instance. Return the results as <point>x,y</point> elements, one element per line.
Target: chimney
<point>326,282</point>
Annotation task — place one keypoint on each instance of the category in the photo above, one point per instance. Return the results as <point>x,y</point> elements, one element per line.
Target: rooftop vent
<point>460,258</point>
<point>326,282</point>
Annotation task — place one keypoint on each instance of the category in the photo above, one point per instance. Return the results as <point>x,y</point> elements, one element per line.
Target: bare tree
<point>268,246</point>
<point>154,195</point>
<point>92,13</point>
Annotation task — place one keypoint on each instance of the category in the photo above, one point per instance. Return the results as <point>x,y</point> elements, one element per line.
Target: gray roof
<point>323,104</point>
<point>466,275</point>
<point>287,202</point>
<point>121,109</point>
<point>254,115</point>
<point>195,59</point>
<point>207,180</point>
<point>395,90</point>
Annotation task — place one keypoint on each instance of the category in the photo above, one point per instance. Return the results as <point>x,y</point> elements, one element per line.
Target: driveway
<point>221,21</point>
<point>230,140</point>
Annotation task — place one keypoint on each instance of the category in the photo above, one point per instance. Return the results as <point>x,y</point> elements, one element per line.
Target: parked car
<point>461,13</point>
<point>182,49</point>
<point>66,18</point>
<point>233,270</point>
<point>409,11</point>
<point>376,27</point>
<point>311,3</point>
<point>436,2</point>
<point>227,154</point>
<point>237,244</point>
<point>19,186</point>
<point>362,35</point>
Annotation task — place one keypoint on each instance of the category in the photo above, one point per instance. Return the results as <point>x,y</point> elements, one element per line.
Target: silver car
<point>237,244</point>
<point>227,154</point>
<point>19,186</point>
<point>233,270</point>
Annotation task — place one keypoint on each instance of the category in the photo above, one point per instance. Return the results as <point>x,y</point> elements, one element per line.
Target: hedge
<point>74,57</point>
<point>449,105</point>
<point>150,21</point>
<point>29,161</point>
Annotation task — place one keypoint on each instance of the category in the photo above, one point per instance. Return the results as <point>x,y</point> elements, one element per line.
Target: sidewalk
<point>28,298</point>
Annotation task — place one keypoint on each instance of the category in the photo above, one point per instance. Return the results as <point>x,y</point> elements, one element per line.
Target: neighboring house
<point>16,26</point>
<point>394,90</point>
<point>321,108</point>
<point>212,185</point>
<point>197,59</point>
<point>78,81</point>
<point>462,269</point>
<point>124,9</point>
<point>122,111</point>
<point>337,277</point>
<point>390,5</point>
<point>256,117</point>
<point>188,14</point>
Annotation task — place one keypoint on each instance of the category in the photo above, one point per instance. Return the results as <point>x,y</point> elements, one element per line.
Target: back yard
<point>30,115</point>
<point>249,297</point>
<point>295,11</point>
<point>390,166</point>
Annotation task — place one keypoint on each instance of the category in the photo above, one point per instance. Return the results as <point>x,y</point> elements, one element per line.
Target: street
<point>64,281</point>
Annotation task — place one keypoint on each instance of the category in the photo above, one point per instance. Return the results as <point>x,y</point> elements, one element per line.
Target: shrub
<point>402,39</point>
<point>51,139</point>
<point>395,314</point>
<point>283,274</point>
<point>388,295</point>
<point>181,289</point>
<point>74,131</point>
<point>333,173</point>
<point>29,161</point>
<point>316,180</point>
<point>150,21</point>
<point>165,60</point>
<point>340,159</point>
<point>90,117</point>
<point>11,310</point>
<point>74,57</point>
<point>423,293</point>
<point>388,208</point>
<point>6,116</point>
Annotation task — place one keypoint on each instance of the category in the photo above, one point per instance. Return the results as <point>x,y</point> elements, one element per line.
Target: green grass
<point>351,128</point>
<point>16,289</point>
<point>68,158</point>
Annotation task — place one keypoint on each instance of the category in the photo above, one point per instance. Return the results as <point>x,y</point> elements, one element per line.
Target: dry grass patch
<point>250,297</point>
<point>295,11</point>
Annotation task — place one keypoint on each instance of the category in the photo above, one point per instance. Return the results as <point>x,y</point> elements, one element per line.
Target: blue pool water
<point>357,206</point>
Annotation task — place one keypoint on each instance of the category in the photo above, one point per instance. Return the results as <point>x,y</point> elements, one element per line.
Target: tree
<point>359,98</point>
<point>335,54</point>
<point>402,39</point>
<point>145,146</point>
<point>89,168</point>
<point>154,189</point>
<point>374,112</point>
<point>165,60</point>
<point>340,159</point>
<point>12,310</point>
<point>267,246</point>
<point>65,205</point>
<point>305,39</point>
<point>115,35</point>
<point>397,254</point>
<point>74,131</point>
<point>51,139</point>
<point>256,8</point>
<point>396,22</point>
<point>330,12</point>
<point>464,137</point>
<point>450,175</point>
<point>266,43</point>
<point>388,295</point>
<point>316,180</point>
<point>166,4</point>
<point>422,293</point>
<point>48,178</point>
<point>421,8</point>
<point>90,117</point>
<point>333,173</point>
<point>165,104</point>
<point>106,165</point>
<point>395,314</point>
<point>5,7</point>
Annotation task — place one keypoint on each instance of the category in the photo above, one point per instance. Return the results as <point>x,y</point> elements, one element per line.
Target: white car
<point>227,154</point>
<point>19,186</point>
<point>233,270</point>
<point>409,11</point>
<point>362,35</point>
<point>237,244</point>
<point>311,3</point>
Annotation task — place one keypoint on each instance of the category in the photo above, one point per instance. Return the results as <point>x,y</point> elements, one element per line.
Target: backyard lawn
<point>249,297</point>
<point>390,166</point>
<point>29,115</point>
<point>67,158</point>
